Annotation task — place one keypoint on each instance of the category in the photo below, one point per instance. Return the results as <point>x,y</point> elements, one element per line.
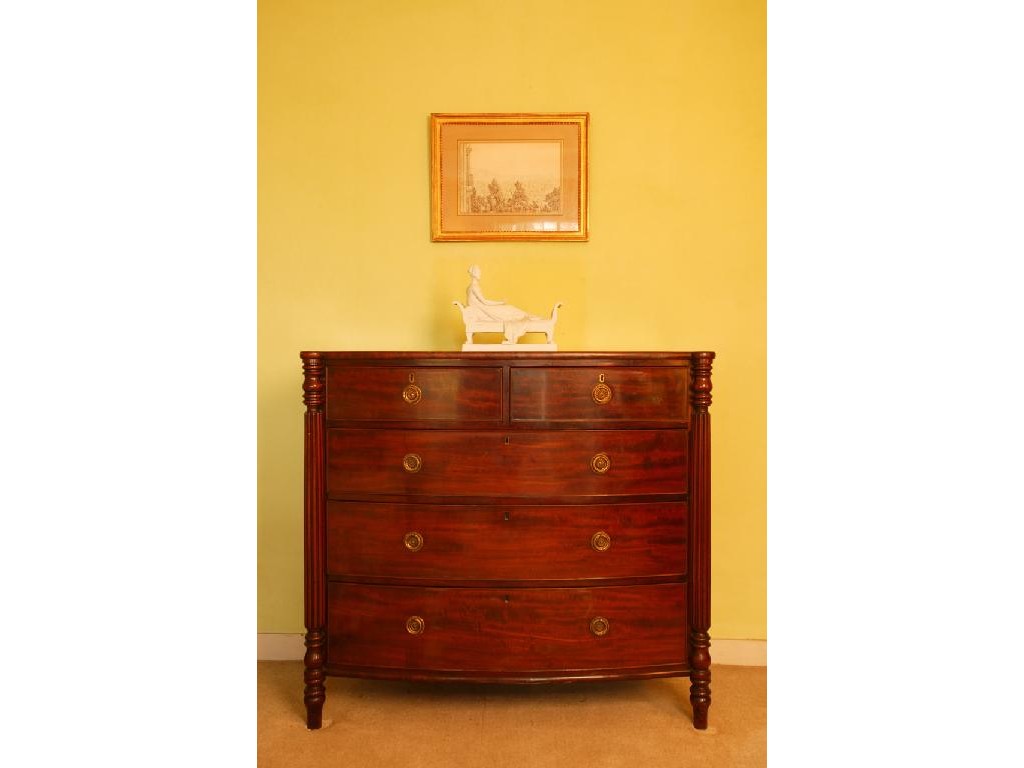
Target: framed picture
<point>509,176</point>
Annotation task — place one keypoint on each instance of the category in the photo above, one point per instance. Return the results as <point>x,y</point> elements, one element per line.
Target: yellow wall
<point>676,257</point>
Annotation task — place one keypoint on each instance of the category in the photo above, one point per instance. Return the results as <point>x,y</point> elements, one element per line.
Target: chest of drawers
<point>515,518</point>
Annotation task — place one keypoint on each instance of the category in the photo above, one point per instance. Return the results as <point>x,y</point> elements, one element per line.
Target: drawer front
<point>599,394</point>
<point>426,541</point>
<point>513,630</point>
<point>517,463</point>
<point>378,393</point>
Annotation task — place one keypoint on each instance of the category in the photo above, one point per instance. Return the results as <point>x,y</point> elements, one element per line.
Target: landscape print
<point>513,177</point>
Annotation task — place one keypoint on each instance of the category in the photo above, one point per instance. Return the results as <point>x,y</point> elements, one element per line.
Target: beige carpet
<point>639,724</point>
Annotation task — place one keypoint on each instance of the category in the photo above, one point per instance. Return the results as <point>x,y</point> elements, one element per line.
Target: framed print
<point>512,176</point>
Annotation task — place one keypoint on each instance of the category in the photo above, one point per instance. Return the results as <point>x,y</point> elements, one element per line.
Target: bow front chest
<point>514,518</point>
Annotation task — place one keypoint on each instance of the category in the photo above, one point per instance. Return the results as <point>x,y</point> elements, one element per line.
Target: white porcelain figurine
<point>483,315</point>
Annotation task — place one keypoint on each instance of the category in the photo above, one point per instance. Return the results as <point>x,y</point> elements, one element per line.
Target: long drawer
<point>516,630</point>
<point>512,463</point>
<point>428,541</point>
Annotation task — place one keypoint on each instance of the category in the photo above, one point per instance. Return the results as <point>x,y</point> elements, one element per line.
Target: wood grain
<point>517,630</point>
<point>506,543</point>
<point>700,541</point>
<point>375,393</point>
<point>315,692</point>
<point>530,677</point>
<point>566,394</point>
<point>504,500</point>
<point>515,464</point>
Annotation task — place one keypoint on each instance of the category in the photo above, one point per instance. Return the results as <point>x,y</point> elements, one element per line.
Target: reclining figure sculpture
<point>482,315</point>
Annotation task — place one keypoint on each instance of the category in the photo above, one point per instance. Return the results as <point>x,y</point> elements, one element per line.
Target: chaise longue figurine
<point>482,315</point>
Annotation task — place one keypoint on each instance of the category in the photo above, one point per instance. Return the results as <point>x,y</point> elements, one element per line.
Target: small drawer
<point>510,630</point>
<point>516,463</point>
<point>657,394</point>
<point>467,542</point>
<point>413,393</point>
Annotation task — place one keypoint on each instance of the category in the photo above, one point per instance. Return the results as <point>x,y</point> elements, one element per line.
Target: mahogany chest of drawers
<point>515,518</point>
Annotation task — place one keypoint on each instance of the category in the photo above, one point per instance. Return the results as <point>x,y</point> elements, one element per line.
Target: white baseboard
<point>280,647</point>
<point>739,653</point>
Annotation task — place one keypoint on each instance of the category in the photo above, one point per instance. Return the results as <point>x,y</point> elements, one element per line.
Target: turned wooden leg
<point>314,522</point>
<point>700,678</point>
<point>700,537</point>
<point>315,693</point>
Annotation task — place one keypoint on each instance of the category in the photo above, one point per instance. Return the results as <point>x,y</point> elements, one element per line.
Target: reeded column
<point>700,536</point>
<point>315,583</point>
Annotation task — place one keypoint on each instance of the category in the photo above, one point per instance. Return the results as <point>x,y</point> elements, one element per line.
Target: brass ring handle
<point>412,462</point>
<point>600,541</point>
<point>599,626</point>
<point>601,393</point>
<point>415,625</point>
<point>413,541</point>
<point>412,394</point>
<point>600,463</point>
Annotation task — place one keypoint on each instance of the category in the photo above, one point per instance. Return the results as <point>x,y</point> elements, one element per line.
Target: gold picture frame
<point>509,176</point>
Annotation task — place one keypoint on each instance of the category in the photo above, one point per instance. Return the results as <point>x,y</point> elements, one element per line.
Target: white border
<point>127,308</point>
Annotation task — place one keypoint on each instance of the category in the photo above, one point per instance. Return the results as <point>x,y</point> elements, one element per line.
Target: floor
<point>642,723</point>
